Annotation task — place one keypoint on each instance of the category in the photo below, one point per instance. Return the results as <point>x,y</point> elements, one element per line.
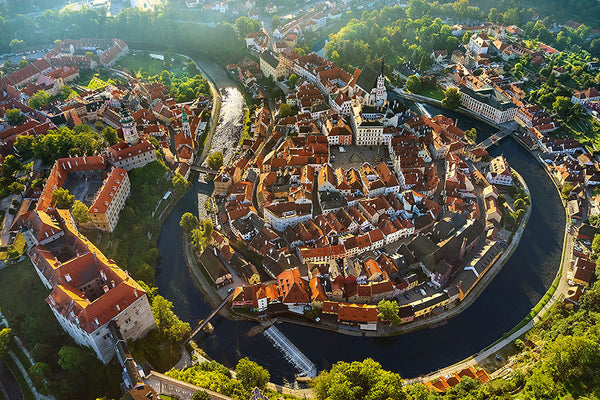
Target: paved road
<point>176,388</point>
<point>561,290</point>
<point>8,383</point>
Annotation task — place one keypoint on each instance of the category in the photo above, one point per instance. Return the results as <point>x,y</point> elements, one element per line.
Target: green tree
<point>61,198</point>
<point>275,21</point>
<point>73,360</point>
<point>16,188</point>
<point>23,63</point>
<point>596,243</point>
<point>285,110</point>
<point>451,99</point>
<point>14,116</point>
<point>169,325</point>
<point>17,45</point>
<point>201,395</point>
<point>471,135</point>
<point>188,222</point>
<point>562,106</point>
<point>110,135</point>
<point>413,84</point>
<point>80,212</point>
<point>357,381</point>
<point>388,311</point>
<point>566,190</point>
<point>91,55</point>
<point>39,99</point>
<point>250,374</point>
<point>5,337</point>
<point>180,184</point>
<point>292,80</point>
<point>520,204</point>
<point>245,25</point>
<point>65,92</point>
<point>215,160</point>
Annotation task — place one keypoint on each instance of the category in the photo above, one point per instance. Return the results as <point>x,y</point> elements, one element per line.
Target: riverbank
<point>554,293</point>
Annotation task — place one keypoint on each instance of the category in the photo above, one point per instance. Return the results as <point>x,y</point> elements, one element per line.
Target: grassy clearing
<point>143,64</point>
<point>437,93</point>
<point>22,300</point>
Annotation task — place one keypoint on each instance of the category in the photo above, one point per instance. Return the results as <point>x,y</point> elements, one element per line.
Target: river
<point>515,290</point>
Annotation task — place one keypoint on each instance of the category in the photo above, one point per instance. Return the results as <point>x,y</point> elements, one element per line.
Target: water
<point>515,290</point>
<point>228,132</point>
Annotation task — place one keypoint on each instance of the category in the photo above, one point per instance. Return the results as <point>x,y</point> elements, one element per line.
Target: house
<point>293,288</point>
<point>499,172</point>
<point>585,96</point>
<point>271,66</point>
<point>110,200</point>
<point>363,315</point>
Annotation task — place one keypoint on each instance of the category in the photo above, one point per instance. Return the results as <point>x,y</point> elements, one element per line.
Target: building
<point>585,96</point>
<point>500,172</point>
<point>88,291</point>
<point>488,103</point>
<point>271,66</point>
<point>110,200</point>
<point>133,152</point>
<point>281,215</point>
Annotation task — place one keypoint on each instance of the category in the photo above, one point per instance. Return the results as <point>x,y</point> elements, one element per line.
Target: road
<point>561,290</point>
<point>178,389</point>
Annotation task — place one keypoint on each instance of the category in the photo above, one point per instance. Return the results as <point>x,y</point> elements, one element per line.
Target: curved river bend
<point>511,295</point>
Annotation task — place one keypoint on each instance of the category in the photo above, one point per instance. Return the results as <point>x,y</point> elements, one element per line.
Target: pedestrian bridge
<point>495,138</point>
<point>205,321</point>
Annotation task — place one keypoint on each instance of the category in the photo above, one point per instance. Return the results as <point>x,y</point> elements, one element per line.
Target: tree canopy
<point>451,99</point>
<point>250,374</point>
<point>80,212</point>
<point>388,311</point>
<point>169,325</point>
<point>14,116</point>
<point>215,160</point>
<point>62,198</point>
<point>357,381</point>
<point>82,140</point>
<point>188,222</point>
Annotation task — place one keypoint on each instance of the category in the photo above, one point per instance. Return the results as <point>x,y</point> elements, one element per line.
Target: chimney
<point>105,287</point>
<point>112,283</point>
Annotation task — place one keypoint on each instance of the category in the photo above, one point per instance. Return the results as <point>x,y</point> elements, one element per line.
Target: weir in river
<point>291,352</point>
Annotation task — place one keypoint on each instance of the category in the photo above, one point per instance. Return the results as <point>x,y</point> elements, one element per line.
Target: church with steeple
<point>133,151</point>
<point>185,145</point>
<point>368,86</point>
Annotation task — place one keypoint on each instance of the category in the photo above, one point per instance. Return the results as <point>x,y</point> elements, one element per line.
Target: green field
<point>143,64</point>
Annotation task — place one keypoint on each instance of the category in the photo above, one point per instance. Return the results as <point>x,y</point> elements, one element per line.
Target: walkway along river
<point>517,288</point>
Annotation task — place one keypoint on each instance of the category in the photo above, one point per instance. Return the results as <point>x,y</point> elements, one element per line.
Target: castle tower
<point>130,133</point>
<point>380,94</point>
<point>185,125</point>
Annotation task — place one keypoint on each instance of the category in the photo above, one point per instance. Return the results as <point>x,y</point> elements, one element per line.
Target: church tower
<point>380,94</point>
<point>130,133</point>
<point>185,125</point>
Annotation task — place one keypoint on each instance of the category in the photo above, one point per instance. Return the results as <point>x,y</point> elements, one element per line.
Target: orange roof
<point>109,189</point>
<point>357,312</point>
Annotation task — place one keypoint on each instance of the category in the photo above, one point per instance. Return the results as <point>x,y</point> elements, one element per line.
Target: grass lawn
<point>436,93</point>
<point>143,63</point>
<point>22,296</point>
